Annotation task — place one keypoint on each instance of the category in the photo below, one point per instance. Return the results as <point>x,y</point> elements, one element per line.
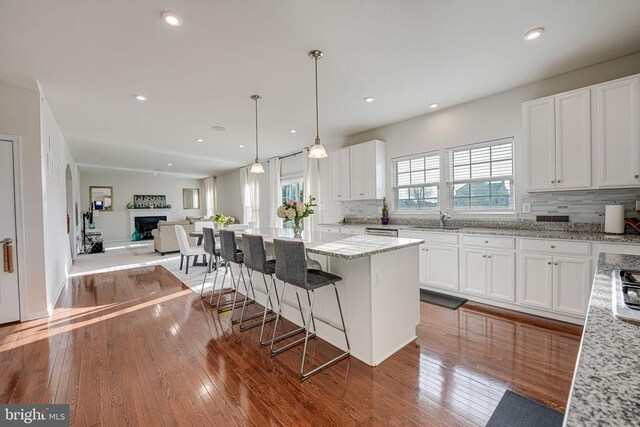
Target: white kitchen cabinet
<point>340,175</point>
<point>573,140</point>
<point>616,133</point>
<point>352,230</point>
<point>571,285</point>
<point>439,266</point>
<point>328,229</point>
<point>540,143</point>
<point>367,170</point>
<point>535,280</point>
<point>557,132</point>
<point>488,273</point>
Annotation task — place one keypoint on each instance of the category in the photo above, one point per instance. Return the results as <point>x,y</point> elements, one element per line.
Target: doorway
<point>71,230</point>
<point>9,290</point>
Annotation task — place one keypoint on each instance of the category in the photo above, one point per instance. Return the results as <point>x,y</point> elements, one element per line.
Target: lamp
<point>317,151</point>
<point>256,167</point>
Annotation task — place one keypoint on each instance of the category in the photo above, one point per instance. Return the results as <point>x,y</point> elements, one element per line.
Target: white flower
<point>291,213</point>
<point>281,213</point>
<point>300,207</point>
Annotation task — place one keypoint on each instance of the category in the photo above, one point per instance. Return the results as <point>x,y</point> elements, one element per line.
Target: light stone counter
<point>606,384</point>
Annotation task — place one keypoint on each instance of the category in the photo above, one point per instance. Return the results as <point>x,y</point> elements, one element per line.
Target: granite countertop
<point>606,385</point>
<point>339,245</point>
<point>510,232</point>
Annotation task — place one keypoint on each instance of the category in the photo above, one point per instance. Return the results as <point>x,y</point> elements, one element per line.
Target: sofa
<point>164,237</point>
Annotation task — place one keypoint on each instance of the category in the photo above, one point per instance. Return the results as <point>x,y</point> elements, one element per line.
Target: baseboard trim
<point>54,301</point>
<point>37,315</point>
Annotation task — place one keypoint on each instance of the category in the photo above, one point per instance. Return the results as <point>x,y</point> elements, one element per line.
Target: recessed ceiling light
<point>369,99</point>
<point>155,173</point>
<point>434,105</point>
<point>169,164</point>
<point>240,146</point>
<point>534,34</point>
<point>199,140</point>
<point>140,98</point>
<point>292,131</point>
<point>172,19</point>
<point>218,128</point>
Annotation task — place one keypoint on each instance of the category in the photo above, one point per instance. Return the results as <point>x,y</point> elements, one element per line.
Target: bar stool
<point>291,268</point>
<point>209,246</point>
<point>230,254</point>
<point>255,259</point>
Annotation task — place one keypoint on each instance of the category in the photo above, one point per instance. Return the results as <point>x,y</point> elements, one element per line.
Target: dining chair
<point>186,250</point>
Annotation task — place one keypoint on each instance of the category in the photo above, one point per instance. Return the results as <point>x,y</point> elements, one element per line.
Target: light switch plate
<point>526,208</point>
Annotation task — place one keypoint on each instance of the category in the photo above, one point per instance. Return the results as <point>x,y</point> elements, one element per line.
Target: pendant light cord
<point>256,130</point>
<point>317,115</point>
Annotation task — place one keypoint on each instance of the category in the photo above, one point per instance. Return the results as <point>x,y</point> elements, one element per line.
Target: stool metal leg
<point>205,276</point>
<point>221,286</point>
<point>237,288</point>
<point>230,304</point>
<point>303,375</point>
<point>292,333</point>
<point>266,308</point>
<point>250,301</point>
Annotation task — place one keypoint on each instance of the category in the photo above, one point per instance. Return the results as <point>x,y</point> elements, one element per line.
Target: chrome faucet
<point>444,217</point>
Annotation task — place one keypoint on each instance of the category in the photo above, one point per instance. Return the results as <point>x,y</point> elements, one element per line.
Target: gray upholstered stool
<point>209,245</point>
<point>291,268</point>
<point>230,254</point>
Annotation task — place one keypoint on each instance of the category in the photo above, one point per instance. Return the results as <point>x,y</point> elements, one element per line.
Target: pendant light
<point>256,167</point>
<point>317,151</point>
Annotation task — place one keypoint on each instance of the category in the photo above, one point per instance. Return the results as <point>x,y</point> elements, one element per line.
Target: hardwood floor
<point>136,347</point>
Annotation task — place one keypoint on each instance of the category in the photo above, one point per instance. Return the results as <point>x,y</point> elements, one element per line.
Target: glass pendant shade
<point>256,167</point>
<point>317,151</point>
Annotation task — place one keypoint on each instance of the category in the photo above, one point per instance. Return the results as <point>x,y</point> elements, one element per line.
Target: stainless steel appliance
<point>381,231</point>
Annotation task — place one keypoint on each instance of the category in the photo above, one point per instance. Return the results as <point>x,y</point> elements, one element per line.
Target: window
<point>481,177</point>
<point>415,182</point>
<point>292,189</point>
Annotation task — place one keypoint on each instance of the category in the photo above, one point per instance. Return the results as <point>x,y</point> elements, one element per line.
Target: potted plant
<point>385,212</point>
<point>293,210</point>
<point>223,220</point>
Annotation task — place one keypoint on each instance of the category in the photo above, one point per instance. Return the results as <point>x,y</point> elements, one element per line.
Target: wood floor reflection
<point>136,347</point>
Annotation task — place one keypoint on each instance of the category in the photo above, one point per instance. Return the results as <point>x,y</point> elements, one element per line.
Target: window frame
<point>395,187</point>
<point>451,182</point>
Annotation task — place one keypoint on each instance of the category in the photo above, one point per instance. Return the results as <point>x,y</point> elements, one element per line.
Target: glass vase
<point>297,228</point>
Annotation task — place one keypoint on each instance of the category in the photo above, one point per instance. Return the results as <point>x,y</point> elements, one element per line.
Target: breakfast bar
<point>380,290</point>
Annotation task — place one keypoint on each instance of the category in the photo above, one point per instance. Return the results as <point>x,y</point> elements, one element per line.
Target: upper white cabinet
<point>586,138</point>
<point>616,133</point>
<point>557,133</point>
<point>367,170</point>
<point>340,180</point>
<point>358,172</point>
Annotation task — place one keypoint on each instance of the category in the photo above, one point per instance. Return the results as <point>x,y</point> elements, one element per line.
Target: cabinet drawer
<point>443,238</point>
<point>556,246</point>
<point>329,229</point>
<point>489,242</point>
<point>351,230</point>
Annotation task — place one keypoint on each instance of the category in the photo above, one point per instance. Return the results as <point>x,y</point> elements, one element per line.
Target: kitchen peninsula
<point>381,312</point>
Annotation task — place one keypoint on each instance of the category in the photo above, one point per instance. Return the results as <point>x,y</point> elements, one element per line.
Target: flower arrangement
<point>293,210</point>
<point>224,219</point>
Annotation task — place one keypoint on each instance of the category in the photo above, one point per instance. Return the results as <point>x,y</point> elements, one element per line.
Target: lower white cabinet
<point>488,273</point>
<point>439,266</point>
<point>553,282</point>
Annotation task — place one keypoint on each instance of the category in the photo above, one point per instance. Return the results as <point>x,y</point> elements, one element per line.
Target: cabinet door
<point>540,142</point>
<point>535,280</point>
<point>345,176</point>
<point>336,175</point>
<point>358,174</point>
<point>424,264</point>
<point>571,285</point>
<point>501,275</point>
<point>369,151</point>
<point>573,140</point>
<point>473,269</point>
<point>442,266</point>
<point>616,133</point>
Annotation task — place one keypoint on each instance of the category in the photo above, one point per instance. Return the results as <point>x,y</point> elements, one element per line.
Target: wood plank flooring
<point>136,347</point>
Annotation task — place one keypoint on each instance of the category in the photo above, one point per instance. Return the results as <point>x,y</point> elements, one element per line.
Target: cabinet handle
<point>553,182</point>
<point>555,263</point>
<point>553,246</point>
<point>484,256</point>
<point>636,176</point>
<point>558,181</point>
<point>486,241</point>
<point>549,262</point>
<point>488,256</point>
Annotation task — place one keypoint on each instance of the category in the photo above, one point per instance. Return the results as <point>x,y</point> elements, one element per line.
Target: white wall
<point>489,118</point>
<point>115,225</point>
<point>228,194</point>
<point>20,116</point>
<point>56,157</point>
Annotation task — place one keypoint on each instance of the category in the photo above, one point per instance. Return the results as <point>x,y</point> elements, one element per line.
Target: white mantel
<point>133,213</point>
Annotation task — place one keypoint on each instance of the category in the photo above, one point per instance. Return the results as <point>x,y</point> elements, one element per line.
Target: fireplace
<point>145,224</point>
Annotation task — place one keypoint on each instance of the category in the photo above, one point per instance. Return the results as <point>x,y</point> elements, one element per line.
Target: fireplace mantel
<point>133,213</point>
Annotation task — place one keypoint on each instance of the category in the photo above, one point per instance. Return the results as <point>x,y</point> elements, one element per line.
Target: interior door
<point>9,296</point>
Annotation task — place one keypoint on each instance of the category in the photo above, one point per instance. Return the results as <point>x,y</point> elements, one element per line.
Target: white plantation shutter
<point>481,177</point>
<point>416,182</point>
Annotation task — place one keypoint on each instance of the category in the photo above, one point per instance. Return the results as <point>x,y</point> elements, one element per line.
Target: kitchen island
<point>379,291</point>
<point>605,387</point>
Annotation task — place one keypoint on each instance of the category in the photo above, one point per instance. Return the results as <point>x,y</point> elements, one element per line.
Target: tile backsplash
<point>580,206</point>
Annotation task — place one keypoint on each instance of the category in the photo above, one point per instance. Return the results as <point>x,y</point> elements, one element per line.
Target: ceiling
<point>91,57</point>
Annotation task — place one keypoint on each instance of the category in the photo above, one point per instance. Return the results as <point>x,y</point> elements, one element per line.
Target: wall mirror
<point>191,198</point>
<point>101,198</point>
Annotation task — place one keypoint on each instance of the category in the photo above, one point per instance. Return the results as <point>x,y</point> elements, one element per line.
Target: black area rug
<point>442,300</point>
<point>517,411</point>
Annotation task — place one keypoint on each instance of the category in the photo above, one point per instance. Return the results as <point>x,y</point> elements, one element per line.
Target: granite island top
<point>339,245</point>
<point>606,384</point>
<point>509,232</point>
